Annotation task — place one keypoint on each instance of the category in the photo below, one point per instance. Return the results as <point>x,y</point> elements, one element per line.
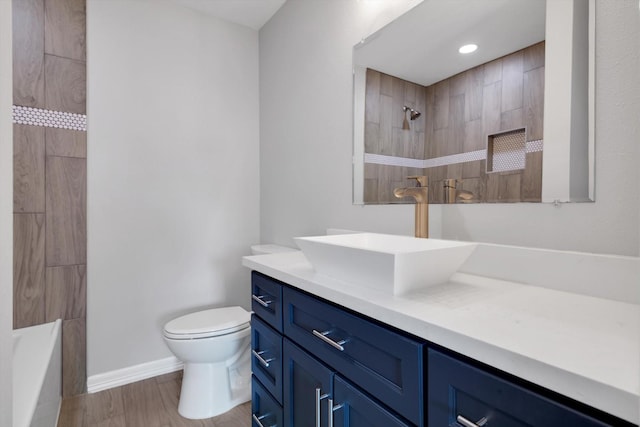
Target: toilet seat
<point>208,323</point>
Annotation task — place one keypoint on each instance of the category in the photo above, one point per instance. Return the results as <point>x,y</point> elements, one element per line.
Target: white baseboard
<point>132,374</point>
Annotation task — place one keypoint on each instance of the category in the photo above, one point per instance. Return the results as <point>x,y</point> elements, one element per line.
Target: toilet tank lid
<point>270,249</point>
<point>215,319</point>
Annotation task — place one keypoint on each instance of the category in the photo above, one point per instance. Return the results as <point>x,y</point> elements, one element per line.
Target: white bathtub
<point>37,375</point>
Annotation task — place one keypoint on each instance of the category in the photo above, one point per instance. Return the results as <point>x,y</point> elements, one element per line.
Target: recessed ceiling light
<point>468,48</point>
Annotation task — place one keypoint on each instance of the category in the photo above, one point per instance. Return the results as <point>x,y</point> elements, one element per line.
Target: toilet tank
<point>269,249</point>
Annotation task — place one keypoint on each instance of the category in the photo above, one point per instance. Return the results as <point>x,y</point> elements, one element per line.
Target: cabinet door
<point>352,408</point>
<point>307,387</point>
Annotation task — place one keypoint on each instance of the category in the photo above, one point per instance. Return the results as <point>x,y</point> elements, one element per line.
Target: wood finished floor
<point>149,403</point>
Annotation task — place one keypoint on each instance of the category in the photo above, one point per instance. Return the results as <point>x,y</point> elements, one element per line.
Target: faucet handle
<point>451,183</point>
<point>422,180</point>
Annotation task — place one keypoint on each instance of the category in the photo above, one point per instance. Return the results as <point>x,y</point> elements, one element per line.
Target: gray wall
<point>6,216</point>
<point>173,195</point>
<point>305,141</point>
<point>305,123</point>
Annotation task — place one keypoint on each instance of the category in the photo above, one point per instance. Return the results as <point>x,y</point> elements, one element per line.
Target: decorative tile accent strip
<point>469,156</point>
<point>533,146</point>
<point>380,159</point>
<point>49,118</point>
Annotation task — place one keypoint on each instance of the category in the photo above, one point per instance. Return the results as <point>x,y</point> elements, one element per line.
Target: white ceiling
<point>422,45</point>
<point>250,13</point>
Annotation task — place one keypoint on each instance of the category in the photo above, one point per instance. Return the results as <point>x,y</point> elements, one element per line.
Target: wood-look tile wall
<point>49,72</point>
<point>501,95</point>
<point>385,98</point>
<point>457,116</point>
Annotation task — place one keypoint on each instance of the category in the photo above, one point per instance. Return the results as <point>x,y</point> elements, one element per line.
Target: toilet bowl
<point>214,346</point>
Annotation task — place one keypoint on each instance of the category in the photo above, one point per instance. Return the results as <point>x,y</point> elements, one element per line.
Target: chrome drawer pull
<point>258,299</point>
<point>258,355</point>
<point>332,409</point>
<point>259,419</point>
<point>319,397</point>
<point>466,423</point>
<point>323,336</point>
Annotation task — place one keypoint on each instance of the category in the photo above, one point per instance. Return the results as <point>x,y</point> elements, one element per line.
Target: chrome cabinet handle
<point>323,336</point>
<point>258,299</point>
<point>332,409</point>
<point>466,423</point>
<point>258,419</point>
<point>319,397</point>
<point>258,355</point>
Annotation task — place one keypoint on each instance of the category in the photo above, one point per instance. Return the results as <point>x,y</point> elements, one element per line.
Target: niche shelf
<point>506,151</point>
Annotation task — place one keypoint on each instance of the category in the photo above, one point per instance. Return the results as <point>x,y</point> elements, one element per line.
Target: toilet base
<point>210,389</point>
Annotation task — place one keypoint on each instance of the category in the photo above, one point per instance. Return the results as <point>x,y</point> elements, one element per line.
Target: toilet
<point>214,346</point>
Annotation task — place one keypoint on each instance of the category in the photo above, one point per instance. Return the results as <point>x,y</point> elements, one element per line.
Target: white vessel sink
<point>385,262</point>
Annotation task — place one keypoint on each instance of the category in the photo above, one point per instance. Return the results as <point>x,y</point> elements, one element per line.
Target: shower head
<point>413,114</point>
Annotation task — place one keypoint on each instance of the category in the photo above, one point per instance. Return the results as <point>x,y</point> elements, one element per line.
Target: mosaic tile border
<point>469,156</point>
<point>380,159</point>
<point>533,146</point>
<point>49,118</point>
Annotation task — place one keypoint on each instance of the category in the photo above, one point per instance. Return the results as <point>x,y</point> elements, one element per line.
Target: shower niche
<point>506,151</point>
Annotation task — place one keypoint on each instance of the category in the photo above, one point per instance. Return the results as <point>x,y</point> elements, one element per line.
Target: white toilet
<point>214,346</point>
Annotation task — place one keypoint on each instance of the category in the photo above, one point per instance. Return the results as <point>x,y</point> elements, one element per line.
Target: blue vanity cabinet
<point>374,376</point>
<point>464,395</point>
<point>378,373</point>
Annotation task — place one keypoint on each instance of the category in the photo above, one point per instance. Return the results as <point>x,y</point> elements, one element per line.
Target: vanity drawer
<point>265,411</point>
<point>384,363</point>
<point>266,299</point>
<point>266,356</point>
<point>459,389</point>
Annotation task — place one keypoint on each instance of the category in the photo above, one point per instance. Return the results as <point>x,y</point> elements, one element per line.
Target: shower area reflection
<point>462,142</point>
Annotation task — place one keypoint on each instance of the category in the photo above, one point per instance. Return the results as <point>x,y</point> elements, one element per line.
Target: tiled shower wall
<point>498,96</point>
<point>49,96</point>
<point>385,98</point>
<point>458,115</point>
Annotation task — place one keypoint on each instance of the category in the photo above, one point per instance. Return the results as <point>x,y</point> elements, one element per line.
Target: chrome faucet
<point>421,195</point>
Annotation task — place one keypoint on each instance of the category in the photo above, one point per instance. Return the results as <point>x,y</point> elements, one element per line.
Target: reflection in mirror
<point>474,124</point>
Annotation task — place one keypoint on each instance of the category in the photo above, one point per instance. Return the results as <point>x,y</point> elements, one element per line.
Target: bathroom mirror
<point>510,122</point>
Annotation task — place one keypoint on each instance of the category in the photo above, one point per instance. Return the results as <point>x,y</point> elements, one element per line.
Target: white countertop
<point>583,347</point>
